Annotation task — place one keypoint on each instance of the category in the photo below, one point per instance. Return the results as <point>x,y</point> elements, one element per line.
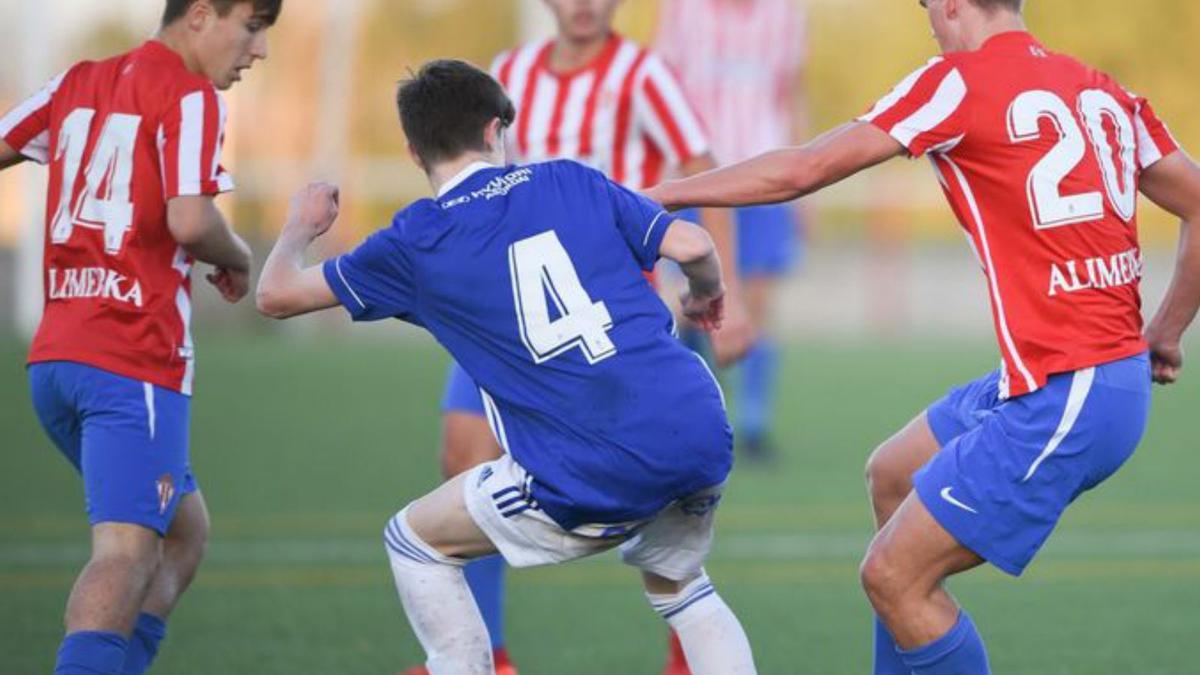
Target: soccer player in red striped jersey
<point>742,63</point>
<point>591,95</point>
<point>133,146</point>
<point>1041,158</point>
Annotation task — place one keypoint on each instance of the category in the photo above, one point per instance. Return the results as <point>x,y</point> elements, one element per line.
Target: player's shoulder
<point>158,70</point>
<point>567,170</point>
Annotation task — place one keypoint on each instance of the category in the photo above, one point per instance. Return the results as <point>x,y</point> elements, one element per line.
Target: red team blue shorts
<point>1009,468</point>
<point>462,394</point>
<point>128,439</point>
<point>768,239</point>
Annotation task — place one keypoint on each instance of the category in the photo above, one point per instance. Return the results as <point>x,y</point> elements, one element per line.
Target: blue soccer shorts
<point>1008,469</point>
<point>767,239</point>
<point>128,439</point>
<point>462,394</point>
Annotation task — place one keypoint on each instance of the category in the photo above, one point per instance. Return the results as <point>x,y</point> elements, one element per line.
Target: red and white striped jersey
<point>739,61</point>
<point>121,137</point>
<point>623,114</point>
<point>1039,156</point>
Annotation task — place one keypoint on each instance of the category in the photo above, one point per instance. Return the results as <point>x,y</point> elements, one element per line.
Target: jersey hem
<point>174,384</point>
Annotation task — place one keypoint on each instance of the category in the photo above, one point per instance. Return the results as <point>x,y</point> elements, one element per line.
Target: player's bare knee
<point>880,577</point>
<point>886,475</point>
<point>656,584</point>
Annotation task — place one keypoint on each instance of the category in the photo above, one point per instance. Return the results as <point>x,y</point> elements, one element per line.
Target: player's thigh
<point>134,450</point>
<point>442,520</point>
<point>189,530</point>
<point>913,552</point>
<point>467,440</point>
<point>675,544</point>
<point>892,464</point>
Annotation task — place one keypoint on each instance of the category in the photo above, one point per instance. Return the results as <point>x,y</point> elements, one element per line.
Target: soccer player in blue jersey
<point>614,433</point>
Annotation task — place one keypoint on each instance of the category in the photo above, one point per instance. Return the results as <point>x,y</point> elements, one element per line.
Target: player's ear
<point>493,134</point>
<point>199,13</point>
<point>951,8</point>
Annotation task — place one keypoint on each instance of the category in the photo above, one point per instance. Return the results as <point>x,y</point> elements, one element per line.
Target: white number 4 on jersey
<point>542,272</point>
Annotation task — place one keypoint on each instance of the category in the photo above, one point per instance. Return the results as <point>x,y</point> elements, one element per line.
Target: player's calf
<point>712,637</point>
<point>438,602</point>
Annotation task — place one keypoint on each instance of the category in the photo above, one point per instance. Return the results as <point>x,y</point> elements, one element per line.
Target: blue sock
<point>755,394</point>
<point>91,653</point>
<point>143,644</point>
<point>887,659</point>
<point>485,576</point>
<point>959,652</point>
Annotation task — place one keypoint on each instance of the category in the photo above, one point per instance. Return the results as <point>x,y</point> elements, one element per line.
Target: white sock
<point>438,603</point>
<point>712,637</point>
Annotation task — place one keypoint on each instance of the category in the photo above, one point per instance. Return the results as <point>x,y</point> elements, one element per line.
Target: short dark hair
<point>267,9</point>
<point>993,5</point>
<point>445,107</point>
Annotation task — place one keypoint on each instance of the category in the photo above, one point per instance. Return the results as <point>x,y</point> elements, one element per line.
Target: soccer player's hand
<point>1166,358</point>
<point>708,312</point>
<point>734,337</point>
<point>231,284</point>
<point>313,210</point>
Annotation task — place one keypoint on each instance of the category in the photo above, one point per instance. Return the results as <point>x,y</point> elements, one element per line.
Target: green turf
<point>305,446</point>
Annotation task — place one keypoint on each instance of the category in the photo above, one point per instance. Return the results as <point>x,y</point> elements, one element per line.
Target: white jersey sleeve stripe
<point>191,142</point>
<point>906,85</point>
<point>38,148</point>
<point>215,171</point>
<point>1147,150</point>
<point>946,100</point>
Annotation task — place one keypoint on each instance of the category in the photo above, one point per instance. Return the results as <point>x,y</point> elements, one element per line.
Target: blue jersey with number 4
<point>531,277</point>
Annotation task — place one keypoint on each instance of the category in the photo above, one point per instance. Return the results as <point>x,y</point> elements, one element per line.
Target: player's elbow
<point>192,219</point>
<point>272,303</point>
<point>805,171</point>
<point>692,245</point>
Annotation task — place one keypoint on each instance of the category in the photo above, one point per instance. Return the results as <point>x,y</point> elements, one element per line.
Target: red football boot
<point>676,661</point>
<point>500,659</point>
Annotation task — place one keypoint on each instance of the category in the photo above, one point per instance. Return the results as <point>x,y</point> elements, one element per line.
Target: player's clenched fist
<point>708,312</point>
<point>1166,357</point>
<point>313,209</point>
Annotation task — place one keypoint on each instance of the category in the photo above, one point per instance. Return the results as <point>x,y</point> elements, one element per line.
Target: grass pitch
<point>305,447</point>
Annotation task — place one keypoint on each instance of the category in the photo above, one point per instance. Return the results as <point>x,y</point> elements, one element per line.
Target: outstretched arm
<point>287,288</point>
<point>8,156</point>
<point>783,175</point>
<point>1174,184</point>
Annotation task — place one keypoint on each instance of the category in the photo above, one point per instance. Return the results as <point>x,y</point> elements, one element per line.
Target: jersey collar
<point>1012,38</point>
<point>470,170</point>
<point>157,51</point>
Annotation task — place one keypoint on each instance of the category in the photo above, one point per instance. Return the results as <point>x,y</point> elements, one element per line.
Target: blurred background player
<point>133,145</point>
<point>591,95</point>
<point>1042,158</point>
<point>741,63</point>
<point>477,266</point>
